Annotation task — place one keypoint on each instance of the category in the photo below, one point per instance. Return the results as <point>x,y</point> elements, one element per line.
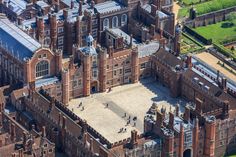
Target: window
<point>120,71</point>
<point>114,22</point>
<point>94,63</point>
<point>47,32</point>
<point>94,32</point>
<point>60,40</point>
<point>42,69</point>
<point>60,47</point>
<point>94,73</point>
<point>143,65</point>
<point>95,21</point>
<point>47,41</point>
<point>79,82</point>
<point>74,83</point>
<point>60,29</point>
<point>123,19</point>
<point>105,23</point>
<point>127,70</point>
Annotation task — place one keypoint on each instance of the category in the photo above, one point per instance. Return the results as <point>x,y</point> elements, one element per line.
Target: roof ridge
<point>9,24</point>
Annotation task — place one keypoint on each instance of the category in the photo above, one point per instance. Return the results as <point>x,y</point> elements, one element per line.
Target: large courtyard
<point>105,112</point>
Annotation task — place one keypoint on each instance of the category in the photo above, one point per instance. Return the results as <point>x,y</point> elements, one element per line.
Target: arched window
<point>105,23</point>
<point>114,22</point>
<point>42,69</point>
<point>123,19</point>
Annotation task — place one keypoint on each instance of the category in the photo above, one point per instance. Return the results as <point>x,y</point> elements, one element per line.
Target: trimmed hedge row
<point>224,51</point>
<point>195,41</point>
<point>198,36</point>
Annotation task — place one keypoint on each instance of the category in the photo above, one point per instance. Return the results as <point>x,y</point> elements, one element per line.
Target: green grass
<point>189,2</point>
<point>217,33</point>
<point>207,7</point>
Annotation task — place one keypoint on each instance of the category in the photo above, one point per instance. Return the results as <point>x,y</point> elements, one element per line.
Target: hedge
<point>198,36</point>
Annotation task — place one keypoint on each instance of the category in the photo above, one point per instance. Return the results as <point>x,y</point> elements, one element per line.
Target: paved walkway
<point>132,99</point>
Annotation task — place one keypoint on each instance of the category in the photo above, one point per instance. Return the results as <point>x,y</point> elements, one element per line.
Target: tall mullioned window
<point>105,23</point>
<point>42,69</point>
<point>123,19</point>
<point>115,22</point>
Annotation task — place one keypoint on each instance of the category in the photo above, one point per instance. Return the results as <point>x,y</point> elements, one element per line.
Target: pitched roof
<point>17,42</point>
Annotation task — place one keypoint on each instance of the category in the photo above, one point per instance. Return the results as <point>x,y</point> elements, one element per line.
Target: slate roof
<point>159,13</point>
<point>148,49</point>
<point>17,6</point>
<point>108,6</point>
<point>42,4</point>
<point>17,42</point>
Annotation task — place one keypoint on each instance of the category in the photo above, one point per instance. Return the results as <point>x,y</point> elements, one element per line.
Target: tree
<point>231,17</point>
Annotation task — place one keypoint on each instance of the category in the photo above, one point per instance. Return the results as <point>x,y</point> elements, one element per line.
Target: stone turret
<point>58,58</point>
<point>135,65</point>
<point>65,87</point>
<point>209,146</point>
<point>86,74</point>
<point>178,32</point>
<point>53,30</point>
<point>195,137</point>
<point>102,69</point>
<point>181,140</point>
<point>78,34</point>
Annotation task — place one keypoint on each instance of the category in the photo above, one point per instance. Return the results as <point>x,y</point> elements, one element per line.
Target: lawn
<point>207,7</point>
<point>218,33</point>
<point>190,2</point>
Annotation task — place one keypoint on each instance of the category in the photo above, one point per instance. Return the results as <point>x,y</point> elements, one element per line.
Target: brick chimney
<point>159,119</point>
<point>177,110</point>
<point>44,131</point>
<point>187,114</point>
<point>195,137</point>
<point>153,10</point>
<point>224,84</point>
<point>181,140</point>
<point>198,107</point>
<point>134,138</point>
<point>80,8</point>
<point>171,120</point>
<point>226,108</point>
<point>72,4</point>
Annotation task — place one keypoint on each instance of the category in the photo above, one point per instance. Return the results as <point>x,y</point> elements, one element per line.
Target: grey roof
<point>42,4</point>
<point>17,6</point>
<point>20,44</point>
<point>108,6</point>
<point>89,50</point>
<point>72,15</point>
<point>159,13</point>
<point>46,81</point>
<point>153,143</point>
<point>125,36</point>
<point>68,3</point>
<point>178,121</point>
<point>148,49</point>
